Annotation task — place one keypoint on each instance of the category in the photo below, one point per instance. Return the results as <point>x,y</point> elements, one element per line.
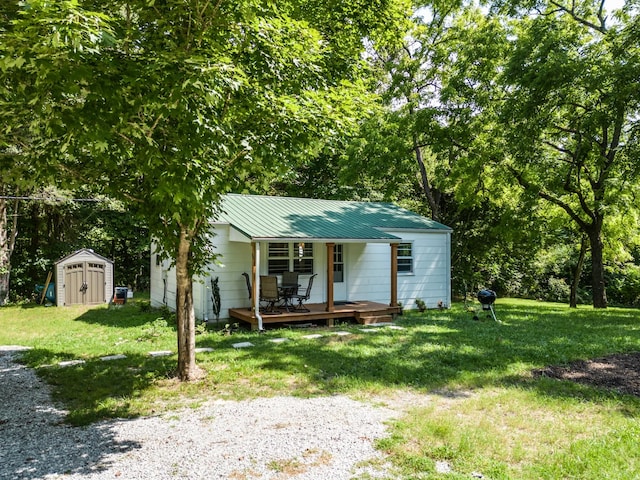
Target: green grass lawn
<point>481,409</point>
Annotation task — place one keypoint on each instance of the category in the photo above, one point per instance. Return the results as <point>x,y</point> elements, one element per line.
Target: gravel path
<point>267,438</point>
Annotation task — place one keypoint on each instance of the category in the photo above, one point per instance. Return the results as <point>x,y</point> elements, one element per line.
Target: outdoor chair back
<point>290,280</point>
<point>269,292</point>
<point>248,280</point>
<point>303,297</point>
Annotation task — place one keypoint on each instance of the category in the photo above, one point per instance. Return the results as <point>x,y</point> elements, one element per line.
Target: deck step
<point>373,319</point>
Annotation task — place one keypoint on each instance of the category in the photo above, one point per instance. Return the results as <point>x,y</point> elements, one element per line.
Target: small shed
<point>83,278</point>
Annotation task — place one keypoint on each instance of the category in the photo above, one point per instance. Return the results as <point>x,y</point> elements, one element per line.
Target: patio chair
<point>269,292</point>
<point>303,297</point>
<point>248,280</point>
<point>290,282</point>
<point>288,288</point>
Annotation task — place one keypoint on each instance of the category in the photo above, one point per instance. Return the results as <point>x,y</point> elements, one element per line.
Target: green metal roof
<point>286,218</point>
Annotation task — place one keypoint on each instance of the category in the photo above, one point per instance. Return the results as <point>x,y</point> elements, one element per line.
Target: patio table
<point>287,290</point>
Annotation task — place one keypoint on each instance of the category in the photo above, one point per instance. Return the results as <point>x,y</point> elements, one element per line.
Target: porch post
<point>394,275</point>
<point>330,249</point>
<point>254,289</point>
<point>255,282</point>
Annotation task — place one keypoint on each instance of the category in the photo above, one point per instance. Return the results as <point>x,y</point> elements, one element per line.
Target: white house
<point>359,251</point>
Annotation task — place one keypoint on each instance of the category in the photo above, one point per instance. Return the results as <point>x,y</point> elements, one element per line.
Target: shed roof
<point>83,251</point>
<point>287,218</point>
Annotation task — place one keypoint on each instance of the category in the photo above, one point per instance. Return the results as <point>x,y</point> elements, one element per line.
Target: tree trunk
<point>573,297</point>
<point>185,314</point>
<point>424,179</point>
<point>426,187</point>
<point>597,269</point>
<point>5,264</point>
<point>8,235</point>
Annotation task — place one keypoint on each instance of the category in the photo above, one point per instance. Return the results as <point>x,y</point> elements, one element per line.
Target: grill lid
<point>486,297</point>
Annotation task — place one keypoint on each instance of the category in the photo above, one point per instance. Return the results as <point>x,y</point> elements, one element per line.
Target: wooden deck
<point>363,312</point>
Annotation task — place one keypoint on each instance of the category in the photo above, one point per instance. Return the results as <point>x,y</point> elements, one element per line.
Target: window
<point>405,258</point>
<point>278,258</point>
<point>338,263</point>
<point>290,257</point>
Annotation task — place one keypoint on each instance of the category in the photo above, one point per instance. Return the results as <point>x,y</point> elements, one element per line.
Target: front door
<point>84,283</point>
<point>339,274</point>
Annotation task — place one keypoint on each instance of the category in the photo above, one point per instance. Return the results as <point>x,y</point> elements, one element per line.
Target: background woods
<point>52,229</point>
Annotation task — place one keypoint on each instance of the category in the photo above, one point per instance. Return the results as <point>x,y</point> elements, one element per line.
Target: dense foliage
<point>516,125</point>
<point>171,104</point>
<point>51,230</point>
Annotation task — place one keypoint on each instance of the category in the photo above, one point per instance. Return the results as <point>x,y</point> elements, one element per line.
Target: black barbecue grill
<point>487,298</point>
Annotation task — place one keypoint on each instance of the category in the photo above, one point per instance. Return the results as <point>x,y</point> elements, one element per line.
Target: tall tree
<point>570,113</point>
<point>172,104</point>
<point>424,148</point>
<point>397,145</point>
<point>540,94</point>
<point>543,95</point>
<point>13,168</point>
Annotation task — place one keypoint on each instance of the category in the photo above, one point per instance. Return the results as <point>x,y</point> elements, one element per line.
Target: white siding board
<point>369,272</point>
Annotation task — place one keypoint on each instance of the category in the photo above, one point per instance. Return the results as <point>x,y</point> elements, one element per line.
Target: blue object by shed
<point>51,292</point>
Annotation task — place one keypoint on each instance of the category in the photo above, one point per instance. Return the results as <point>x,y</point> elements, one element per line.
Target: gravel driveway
<point>267,438</point>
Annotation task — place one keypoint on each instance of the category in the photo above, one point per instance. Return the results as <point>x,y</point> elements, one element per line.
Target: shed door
<point>95,283</point>
<point>84,283</point>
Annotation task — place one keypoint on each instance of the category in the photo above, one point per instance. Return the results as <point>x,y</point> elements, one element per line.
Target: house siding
<point>234,258</point>
<point>431,277</point>
<point>369,267</point>
<point>367,272</point>
<point>162,294</point>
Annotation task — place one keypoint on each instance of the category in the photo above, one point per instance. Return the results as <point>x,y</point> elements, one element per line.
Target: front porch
<point>363,312</point>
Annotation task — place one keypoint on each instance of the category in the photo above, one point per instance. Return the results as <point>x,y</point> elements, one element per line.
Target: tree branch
<point>572,11</point>
<point>560,149</point>
<point>153,127</point>
<point>547,196</point>
<point>122,135</point>
<point>566,129</point>
<point>610,156</point>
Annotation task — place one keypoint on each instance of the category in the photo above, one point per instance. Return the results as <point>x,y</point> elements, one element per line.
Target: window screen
<point>405,258</point>
<point>290,257</point>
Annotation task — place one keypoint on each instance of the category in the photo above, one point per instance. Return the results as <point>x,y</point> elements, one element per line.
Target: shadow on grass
<point>36,441</point>
<point>31,305</point>
<point>130,315</point>
<point>450,350</point>
<point>438,350</point>
<point>628,405</point>
<point>100,389</point>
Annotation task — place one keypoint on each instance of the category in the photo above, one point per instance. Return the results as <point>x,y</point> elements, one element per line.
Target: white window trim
<point>292,256</point>
<point>412,258</point>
